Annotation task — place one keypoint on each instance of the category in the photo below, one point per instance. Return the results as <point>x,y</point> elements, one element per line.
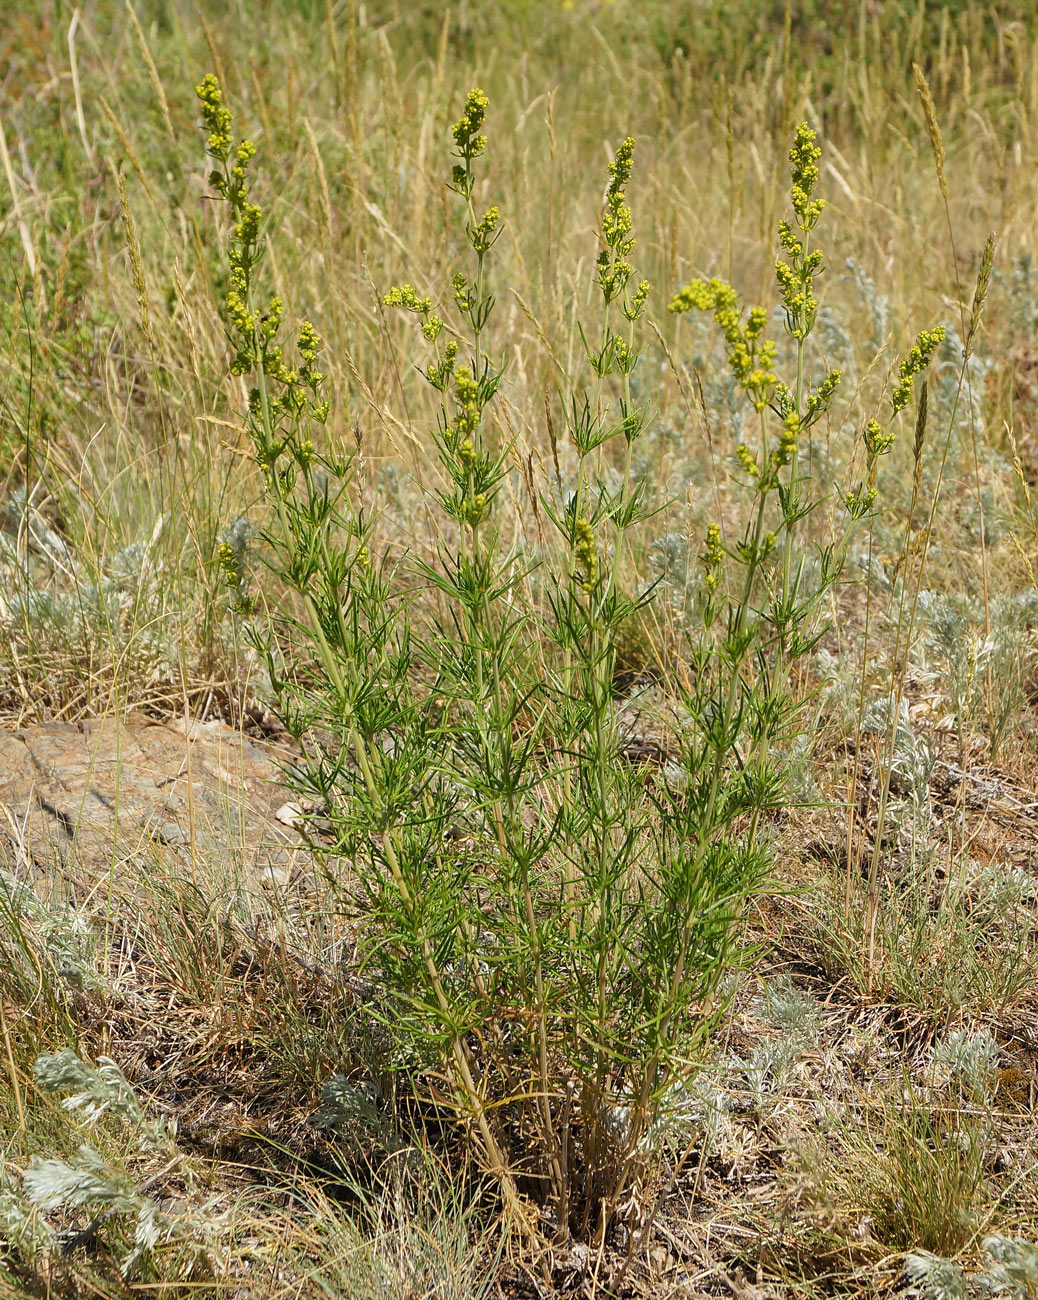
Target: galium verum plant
<point>479,799</point>
<point>548,924</point>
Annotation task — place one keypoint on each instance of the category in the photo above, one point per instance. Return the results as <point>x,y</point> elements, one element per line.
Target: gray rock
<point>93,793</point>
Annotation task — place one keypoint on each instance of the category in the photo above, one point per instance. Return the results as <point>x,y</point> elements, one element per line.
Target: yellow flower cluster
<point>309,344</point>
<point>750,356</point>
<point>614,270</point>
<point>804,156</point>
<point>860,500</point>
<point>713,556</point>
<point>467,131</point>
<point>747,460</point>
<point>797,297</point>
<point>633,309</point>
<point>914,364</point>
<point>796,277</point>
<point>787,442</point>
<point>877,440</point>
<point>466,393</point>
<point>482,234</point>
<point>469,137</point>
<point>818,401</point>
<point>440,373</point>
<point>229,562</point>
<point>406,296</point>
<point>216,117</point>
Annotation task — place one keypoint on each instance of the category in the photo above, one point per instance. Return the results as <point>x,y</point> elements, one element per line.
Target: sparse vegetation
<point>654,689</point>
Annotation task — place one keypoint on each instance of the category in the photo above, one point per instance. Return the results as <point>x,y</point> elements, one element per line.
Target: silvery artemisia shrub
<point>132,1223</point>
<point>970,1060</point>
<point>40,938</point>
<point>1012,1272</point>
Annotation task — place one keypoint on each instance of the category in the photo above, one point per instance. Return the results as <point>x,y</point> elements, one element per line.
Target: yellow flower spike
<point>747,460</point>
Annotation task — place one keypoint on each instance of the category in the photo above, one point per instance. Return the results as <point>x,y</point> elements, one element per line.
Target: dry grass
<point>828,1135</point>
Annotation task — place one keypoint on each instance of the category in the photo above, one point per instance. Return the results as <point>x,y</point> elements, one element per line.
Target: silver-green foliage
<point>132,1223</point>
<point>1012,1272</point>
<point>31,932</point>
<point>96,1090</point>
